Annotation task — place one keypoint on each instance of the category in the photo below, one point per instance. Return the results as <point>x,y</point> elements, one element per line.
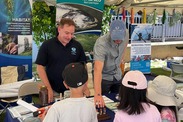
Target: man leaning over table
<point>109,51</point>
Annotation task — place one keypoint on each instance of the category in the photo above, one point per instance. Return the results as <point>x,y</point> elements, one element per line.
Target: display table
<point>108,111</point>
<point>9,118</point>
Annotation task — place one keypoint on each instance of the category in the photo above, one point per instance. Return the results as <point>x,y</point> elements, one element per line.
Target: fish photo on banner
<point>87,15</point>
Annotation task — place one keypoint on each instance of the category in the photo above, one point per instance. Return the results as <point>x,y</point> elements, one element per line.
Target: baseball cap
<point>117,30</point>
<point>75,74</point>
<point>162,91</point>
<point>135,80</point>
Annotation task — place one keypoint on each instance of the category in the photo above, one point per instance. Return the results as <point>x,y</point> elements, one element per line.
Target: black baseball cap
<point>75,74</point>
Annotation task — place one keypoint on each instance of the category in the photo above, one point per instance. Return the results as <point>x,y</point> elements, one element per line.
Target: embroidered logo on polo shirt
<point>73,51</point>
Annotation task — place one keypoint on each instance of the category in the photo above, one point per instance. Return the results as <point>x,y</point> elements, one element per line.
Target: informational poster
<point>141,48</point>
<point>16,34</point>
<point>87,14</point>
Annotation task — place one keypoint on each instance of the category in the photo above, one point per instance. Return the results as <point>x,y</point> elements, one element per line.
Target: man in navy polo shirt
<point>55,54</point>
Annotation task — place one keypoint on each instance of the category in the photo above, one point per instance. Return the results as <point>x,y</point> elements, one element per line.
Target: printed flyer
<point>141,48</point>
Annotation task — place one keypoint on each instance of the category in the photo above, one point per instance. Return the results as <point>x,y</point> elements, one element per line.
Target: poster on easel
<point>87,14</point>
<point>16,34</point>
<point>140,53</point>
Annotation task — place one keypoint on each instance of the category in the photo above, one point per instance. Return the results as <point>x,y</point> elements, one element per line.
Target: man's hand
<point>99,101</point>
<point>50,95</point>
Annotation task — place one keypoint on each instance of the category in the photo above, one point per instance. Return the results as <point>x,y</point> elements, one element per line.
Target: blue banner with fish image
<point>16,34</point>
<point>87,14</point>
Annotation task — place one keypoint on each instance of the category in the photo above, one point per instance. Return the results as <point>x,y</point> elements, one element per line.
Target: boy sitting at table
<point>77,108</point>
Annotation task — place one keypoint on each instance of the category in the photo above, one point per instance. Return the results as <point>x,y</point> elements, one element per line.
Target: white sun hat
<point>162,91</point>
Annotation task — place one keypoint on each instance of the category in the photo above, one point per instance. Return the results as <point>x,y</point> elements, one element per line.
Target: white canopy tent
<point>169,5</point>
<point>140,3</point>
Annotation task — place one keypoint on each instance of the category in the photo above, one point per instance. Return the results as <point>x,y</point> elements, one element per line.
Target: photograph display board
<point>141,47</point>
<point>16,34</point>
<point>87,14</point>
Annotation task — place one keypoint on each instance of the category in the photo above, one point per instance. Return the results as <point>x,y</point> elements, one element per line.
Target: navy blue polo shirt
<point>55,56</point>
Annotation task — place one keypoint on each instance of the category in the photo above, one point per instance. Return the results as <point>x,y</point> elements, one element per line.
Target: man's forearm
<point>97,85</point>
<point>98,77</point>
<point>42,74</point>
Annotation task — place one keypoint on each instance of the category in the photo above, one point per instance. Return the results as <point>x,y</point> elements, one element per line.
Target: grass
<point>160,71</point>
<point>33,67</point>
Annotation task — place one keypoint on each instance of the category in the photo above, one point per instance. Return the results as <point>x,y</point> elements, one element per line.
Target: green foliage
<point>160,71</point>
<point>152,17</point>
<point>43,21</point>
<point>106,18</point>
<point>87,41</point>
<point>164,17</point>
<point>176,16</point>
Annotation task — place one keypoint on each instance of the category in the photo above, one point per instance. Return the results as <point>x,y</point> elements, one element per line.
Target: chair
<point>176,72</point>
<point>36,76</point>
<point>26,89</point>
<point>8,102</point>
<point>9,75</point>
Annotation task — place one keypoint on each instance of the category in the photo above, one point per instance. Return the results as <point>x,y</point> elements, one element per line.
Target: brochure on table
<point>106,99</point>
<point>23,110</point>
<point>112,106</point>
